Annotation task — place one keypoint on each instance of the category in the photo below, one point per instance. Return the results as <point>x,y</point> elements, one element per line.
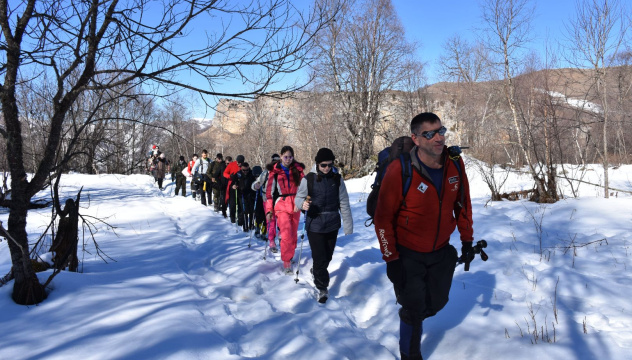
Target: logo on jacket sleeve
<point>384,243</point>
<point>453,179</point>
<point>422,187</point>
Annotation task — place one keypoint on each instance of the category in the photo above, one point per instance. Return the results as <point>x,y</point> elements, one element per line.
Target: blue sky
<point>431,23</point>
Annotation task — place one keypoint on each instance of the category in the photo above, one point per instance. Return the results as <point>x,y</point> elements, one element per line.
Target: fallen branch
<point>601,186</point>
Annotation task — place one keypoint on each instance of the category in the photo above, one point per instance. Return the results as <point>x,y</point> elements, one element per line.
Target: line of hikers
<point>424,197</point>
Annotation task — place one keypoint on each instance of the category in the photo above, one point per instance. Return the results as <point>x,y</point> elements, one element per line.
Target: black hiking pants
<point>425,290</point>
<point>205,194</point>
<point>217,203</point>
<point>234,202</point>
<point>181,183</point>
<point>322,245</point>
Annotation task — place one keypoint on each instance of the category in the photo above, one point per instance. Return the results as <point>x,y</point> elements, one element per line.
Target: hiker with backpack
<point>259,213</point>
<point>160,164</point>
<point>283,181</point>
<point>178,175</point>
<point>219,187</point>
<point>323,195</point>
<point>261,185</point>
<point>231,197</point>
<point>242,182</point>
<point>199,170</point>
<point>414,218</point>
<point>194,186</point>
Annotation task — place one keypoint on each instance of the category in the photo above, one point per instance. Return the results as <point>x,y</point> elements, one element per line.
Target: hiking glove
<point>467,252</point>
<point>395,272</point>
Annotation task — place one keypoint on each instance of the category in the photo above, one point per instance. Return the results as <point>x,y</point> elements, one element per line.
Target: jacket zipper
<point>445,172</point>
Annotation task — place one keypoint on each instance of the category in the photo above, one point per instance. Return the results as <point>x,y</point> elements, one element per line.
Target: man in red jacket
<point>414,232</point>
<point>231,169</point>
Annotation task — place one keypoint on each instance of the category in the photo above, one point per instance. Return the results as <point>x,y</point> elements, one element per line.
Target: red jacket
<point>426,220</point>
<point>232,168</point>
<point>190,167</point>
<point>284,187</point>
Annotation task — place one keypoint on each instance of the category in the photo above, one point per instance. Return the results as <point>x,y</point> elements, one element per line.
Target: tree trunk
<point>27,289</point>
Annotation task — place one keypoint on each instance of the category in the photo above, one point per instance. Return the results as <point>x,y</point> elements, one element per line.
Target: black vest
<point>324,212</point>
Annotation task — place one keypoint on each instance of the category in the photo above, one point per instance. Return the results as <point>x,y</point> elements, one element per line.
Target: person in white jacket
<point>260,185</point>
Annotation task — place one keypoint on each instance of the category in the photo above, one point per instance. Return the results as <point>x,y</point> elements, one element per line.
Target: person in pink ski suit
<point>283,181</point>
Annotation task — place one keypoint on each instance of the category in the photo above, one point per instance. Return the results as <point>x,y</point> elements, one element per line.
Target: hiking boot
<point>323,295</point>
<point>287,264</point>
<point>287,268</point>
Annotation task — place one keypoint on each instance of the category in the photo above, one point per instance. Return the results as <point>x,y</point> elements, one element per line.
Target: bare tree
<point>595,36</point>
<point>508,33</point>
<point>96,45</point>
<point>360,57</point>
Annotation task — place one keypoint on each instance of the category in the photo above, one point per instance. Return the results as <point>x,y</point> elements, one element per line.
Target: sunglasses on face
<point>288,157</point>
<point>245,169</point>
<point>430,134</point>
<point>324,166</point>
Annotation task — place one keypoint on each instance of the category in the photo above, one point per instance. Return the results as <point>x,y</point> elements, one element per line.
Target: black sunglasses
<point>322,165</point>
<point>430,134</point>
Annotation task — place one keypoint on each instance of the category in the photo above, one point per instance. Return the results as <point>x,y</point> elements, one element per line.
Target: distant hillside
<point>232,116</point>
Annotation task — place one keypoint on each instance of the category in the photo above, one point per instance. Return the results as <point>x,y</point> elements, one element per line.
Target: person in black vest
<point>328,199</point>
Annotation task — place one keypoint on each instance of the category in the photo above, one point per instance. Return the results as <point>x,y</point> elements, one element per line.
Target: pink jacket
<point>286,190</point>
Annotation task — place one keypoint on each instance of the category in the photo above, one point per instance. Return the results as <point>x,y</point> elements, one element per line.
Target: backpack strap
<point>458,167</point>
<point>310,183</point>
<point>275,190</point>
<point>407,174</point>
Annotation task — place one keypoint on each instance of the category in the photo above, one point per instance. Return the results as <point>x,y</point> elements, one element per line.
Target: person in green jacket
<point>178,176</point>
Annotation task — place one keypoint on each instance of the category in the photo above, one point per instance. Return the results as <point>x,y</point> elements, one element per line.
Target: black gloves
<point>395,273</point>
<point>467,253</point>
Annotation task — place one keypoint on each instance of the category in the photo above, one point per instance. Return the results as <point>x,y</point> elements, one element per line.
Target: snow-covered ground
<point>186,285</point>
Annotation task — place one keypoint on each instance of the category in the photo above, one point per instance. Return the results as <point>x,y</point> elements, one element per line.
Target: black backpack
<point>400,150</point>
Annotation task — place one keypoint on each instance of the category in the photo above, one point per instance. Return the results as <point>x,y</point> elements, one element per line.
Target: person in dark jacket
<point>219,188</point>
<point>181,180</point>
<point>242,183</point>
<point>259,212</point>
<point>161,169</point>
<point>323,195</point>
<point>414,235</point>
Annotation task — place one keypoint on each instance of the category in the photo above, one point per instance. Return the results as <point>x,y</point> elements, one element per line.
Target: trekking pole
<point>477,249</point>
<point>254,213</point>
<point>236,219</point>
<point>265,248</point>
<point>298,265</point>
<point>243,206</point>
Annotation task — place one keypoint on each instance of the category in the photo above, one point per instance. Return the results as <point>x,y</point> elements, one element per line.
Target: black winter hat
<point>181,158</point>
<point>276,157</point>
<point>240,159</point>
<point>324,154</point>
